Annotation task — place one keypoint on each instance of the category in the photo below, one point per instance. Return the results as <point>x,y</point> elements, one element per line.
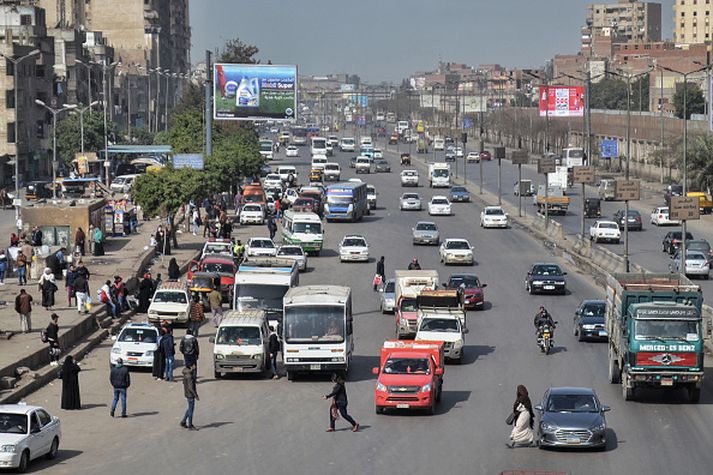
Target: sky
<point>388,40</point>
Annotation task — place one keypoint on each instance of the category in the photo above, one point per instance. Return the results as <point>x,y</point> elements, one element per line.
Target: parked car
<point>634,220</point>
<point>697,264</point>
<point>410,201</point>
<point>660,217</point>
<point>545,277</point>
<point>27,433</point>
<point>472,288</point>
<point>605,231</point>
<point>456,251</point>
<point>571,417</point>
<point>354,248</point>
<point>493,217</point>
<point>589,320</point>
<point>135,344</point>
<point>426,232</point>
<point>672,240</point>
<point>387,296</point>
<point>439,205</point>
<point>459,193</point>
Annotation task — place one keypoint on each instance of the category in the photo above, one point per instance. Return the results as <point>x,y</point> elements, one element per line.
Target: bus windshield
<point>339,199</point>
<point>307,228</point>
<point>259,297</point>
<point>314,324</point>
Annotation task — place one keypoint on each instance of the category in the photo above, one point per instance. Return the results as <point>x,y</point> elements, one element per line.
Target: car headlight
<point>8,448</point>
<point>537,282</point>
<point>380,387</point>
<point>458,344</point>
<point>116,351</point>
<point>547,427</point>
<point>255,357</point>
<point>599,427</point>
<point>149,353</point>
<point>219,357</point>
<point>426,388</point>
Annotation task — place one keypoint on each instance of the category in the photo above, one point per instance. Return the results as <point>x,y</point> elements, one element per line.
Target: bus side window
<point>350,328</point>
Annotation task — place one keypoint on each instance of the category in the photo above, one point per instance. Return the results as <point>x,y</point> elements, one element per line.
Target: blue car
<point>459,193</point>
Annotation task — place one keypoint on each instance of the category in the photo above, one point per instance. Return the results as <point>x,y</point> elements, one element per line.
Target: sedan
<point>387,296</point>
<point>589,320</point>
<point>382,166</point>
<point>27,433</point>
<point>260,246</point>
<point>697,264</point>
<point>252,214</point>
<point>672,240</point>
<point>292,151</point>
<point>473,157</point>
<point>294,253</point>
<point>459,193</point>
<point>660,217</point>
<point>450,155</point>
<point>409,178</point>
<point>485,155</point>
<point>272,180</point>
<point>354,248</point>
<point>378,153</point>
<point>439,205</point>
<point>136,342</point>
<point>472,288</point>
<point>605,231</point>
<point>493,217</point>
<point>545,277</point>
<point>459,152</point>
<point>700,245</point>
<point>634,220</point>
<point>571,417</point>
<point>410,201</point>
<point>426,232</point>
<point>456,251</point>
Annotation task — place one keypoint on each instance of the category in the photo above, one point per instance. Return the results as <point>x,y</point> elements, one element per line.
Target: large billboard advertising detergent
<point>254,92</point>
<point>561,101</point>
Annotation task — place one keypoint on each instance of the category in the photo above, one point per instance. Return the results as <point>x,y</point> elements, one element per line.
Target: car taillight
<point>638,218</point>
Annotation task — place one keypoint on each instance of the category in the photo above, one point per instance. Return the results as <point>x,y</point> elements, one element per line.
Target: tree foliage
<point>163,192</point>
<point>608,93</point>
<point>69,135</point>
<point>235,51</point>
<point>700,165</point>
<point>185,134</point>
<point>695,102</point>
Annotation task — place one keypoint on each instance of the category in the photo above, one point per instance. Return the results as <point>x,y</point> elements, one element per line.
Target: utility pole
<point>208,104</point>
<point>54,113</point>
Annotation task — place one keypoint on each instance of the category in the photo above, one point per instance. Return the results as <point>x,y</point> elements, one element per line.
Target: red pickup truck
<point>219,265</point>
<point>410,375</point>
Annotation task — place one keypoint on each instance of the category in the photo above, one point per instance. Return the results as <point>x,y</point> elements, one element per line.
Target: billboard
<point>562,101</point>
<point>254,92</point>
<point>188,160</point>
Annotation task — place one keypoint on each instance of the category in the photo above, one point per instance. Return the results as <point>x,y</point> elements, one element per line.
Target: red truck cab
<point>410,375</point>
<point>222,266</point>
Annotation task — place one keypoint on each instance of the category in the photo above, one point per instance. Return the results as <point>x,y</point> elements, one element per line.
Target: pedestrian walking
<point>120,381</point>
<point>69,284</point>
<point>174,273</point>
<point>51,336</point>
<point>191,393</point>
<point>339,404</point>
<point>206,224</point>
<point>82,270</point>
<point>69,374</point>
<point>196,221</point>
<point>36,237</point>
<point>3,266</point>
<point>197,316</point>
<point>215,300</point>
<point>91,239</point>
<point>48,287</point>
<point>98,242</point>
<point>80,240</point>
<point>105,298</point>
<point>379,277</point>
<point>145,292</point>
<point>119,289</point>
<point>23,306</point>
<point>81,291</point>
<point>522,434</point>
<point>21,265</point>
<point>272,227</point>
<point>169,353</point>
<point>190,350</point>
<point>273,347</point>
<point>158,368</point>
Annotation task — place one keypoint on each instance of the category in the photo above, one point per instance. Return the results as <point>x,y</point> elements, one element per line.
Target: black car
<point>546,277</point>
<point>700,245</point>
<point>382,166</point>
<point>635,222</point>
<point>265,170</point>
<point>592,208</point>
<point>672,240</point>
<point>589,320</point>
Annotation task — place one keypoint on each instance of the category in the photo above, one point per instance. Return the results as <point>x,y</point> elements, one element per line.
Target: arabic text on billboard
<point>254,92</point>
<point>561,101</point>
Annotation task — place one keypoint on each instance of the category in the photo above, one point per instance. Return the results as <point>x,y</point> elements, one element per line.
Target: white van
<point>439,143</point>
<point>366,140</point>
<point>241,343</point>
<point>285,172</point>
<point>319,146</point>
<point>347,144</point>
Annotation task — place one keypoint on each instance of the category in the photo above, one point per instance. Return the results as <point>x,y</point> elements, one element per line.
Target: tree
<point>608,93</point>
<point>695,102</point>
<point>140,136</point>
<point>185,134</point>
<point>235,51</point>
<point>69,135</point>
<point>640,85</point>
<point>700,165</point>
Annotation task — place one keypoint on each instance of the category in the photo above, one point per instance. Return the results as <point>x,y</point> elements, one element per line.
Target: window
<point>10,99</point>
<point>44,417</point>
<point>39,129</point>
<point>9,68</point>
<point>40,71</point>
<point>10,132</point>
<point>25,20</point>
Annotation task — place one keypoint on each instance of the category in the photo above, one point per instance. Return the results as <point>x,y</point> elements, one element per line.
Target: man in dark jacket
<point>190,350</point>
<point>169,352</point>
<point>81,291</point>
<point>379,270</point>
<point>191,393</point>
<point>273,346</point>
<point>120,380</point>
<point>339,393</point>
<point>23,306</point>
<point>52,335</point>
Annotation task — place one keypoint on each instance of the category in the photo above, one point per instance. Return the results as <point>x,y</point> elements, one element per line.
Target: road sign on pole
<point>627,190</point>
<point>608,148</point>
<point>684,208</point>
<point>499,153</point>
<point>519,157</point>
<point>584,175</point>
<point>546,165</point>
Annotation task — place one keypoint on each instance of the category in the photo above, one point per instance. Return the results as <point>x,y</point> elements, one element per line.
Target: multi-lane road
<point>255,426</point>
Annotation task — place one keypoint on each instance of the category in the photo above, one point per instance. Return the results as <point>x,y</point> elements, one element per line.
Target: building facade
<point>621,22</point>
<point>692,21</point>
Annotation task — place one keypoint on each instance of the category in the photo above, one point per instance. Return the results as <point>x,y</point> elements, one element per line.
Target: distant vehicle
<point>545,277</point>
<point>439,144</point>
<point>363,165</point>
<point>266,149</point>
<point>287,171</point>
<point>672,241</point>
<point>439,205</point>
<point>260,246</point>
<point>123,183</point>
<point>318,146</point>
<point>439,175</point>
<point>673,190</point>
<point>485,155</point>
<point>333,141</point>
<point>592,208</point>
<point>409,178</point>
<point>272,180</point>
<point>450,154</point>
<point>252,214</point>
<point>700,245</point>
<point>607,189</point>
<point>378,153</point>
<point>294,252</point>
<point>371,194</point>
<point>660,217</point>
<point>634,220</point>
<point>354,248</point>
<point>405,158</point>
<point>135,345</point>
<point>572,418</point>
<point>352,162</point>
<point>394,138</point>
<point>171,301</point>
<point>605,231</point>
<point>456,251</point>
<point>410,201</point>
<point>347,144</point>
<point>472,288</point>
<point>387,296</point>
<point>319,161</point>
<point>292,151</point>
<point>473,157</point>
<point>346,201</point>
<point>382,166</point>
<point>459,152</point>
<point>493,217</point>
<point>27,433</point>
<point>573,157</point>
<point>697,264</point>
<point>523,188</point>
<point>426,232</point>
<point>332,171</point>
<point>589,320</point>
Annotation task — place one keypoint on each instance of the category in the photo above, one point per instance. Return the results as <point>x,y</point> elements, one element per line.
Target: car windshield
<point>458,189</point>
<point>440,325</point>
<point>409,174</point>
<point>252,208</point>
<point>493,211</point>
<point>608,226</point>
<point>410,196</point>
<point>440,172</point>
<point>382,163</point>
<point>259,297</point>
<point>407,366</point>
<point>426,227</point>
<point>274,177</point>
<point>695,256</point>
<point>264,243</point>
<point>457,245</point>
<point>677,235</point>
<point>241,336</point>
<point>13,423</point>
<point>290,251</point>
<point>439,201</point>
<point>546,269</point>
<point>390,287</point>
<point>465,281</point>
<point>138,335</point>
<point>219,268</point>
<point>702,246</point>
<point>370,190</point>
<point>339,200</point>
<point>572,403</point>
<point>685,330</point>
<point>314,324</point>
<point>253,198</point>
<point>354,242</point>
<point>408,305</point>
<point>170,297</point>
<point>593,309</point>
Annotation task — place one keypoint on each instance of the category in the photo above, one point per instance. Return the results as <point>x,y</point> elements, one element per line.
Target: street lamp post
<point>106,67</point>
<point>16,63</point>
<point>167,73</point>
<point>89,80</point>
<point>54,113</point>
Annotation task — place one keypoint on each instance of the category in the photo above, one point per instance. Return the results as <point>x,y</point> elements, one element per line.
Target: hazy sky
<point>390,39</point>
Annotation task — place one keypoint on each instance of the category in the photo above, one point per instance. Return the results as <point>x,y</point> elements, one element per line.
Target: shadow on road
<point>41,464</point>
<point>450,400</point>
<point>143,414</point>
<point>471,353</point>
<point>215,425</point>
<point>92,406</point>
<point>361,368</point>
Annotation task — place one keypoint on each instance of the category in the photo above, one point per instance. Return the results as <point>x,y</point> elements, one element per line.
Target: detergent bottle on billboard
<point>248,93</point>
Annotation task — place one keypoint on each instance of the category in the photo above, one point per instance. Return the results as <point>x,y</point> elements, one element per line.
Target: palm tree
<point>700,162</point>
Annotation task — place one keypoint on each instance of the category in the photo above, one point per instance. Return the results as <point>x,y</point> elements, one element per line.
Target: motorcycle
<point>545,335</point>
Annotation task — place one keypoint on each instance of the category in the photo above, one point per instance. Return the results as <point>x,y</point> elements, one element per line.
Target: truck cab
<point>439,175</point>
<point>409,284</point>
<point>410,375</point>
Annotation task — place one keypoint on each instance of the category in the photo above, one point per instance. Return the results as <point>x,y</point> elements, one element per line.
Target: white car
<point>456,251</point>
<point>493,217</point>
<point>363,165</point>
<point>378,153</point>
<point>332,171</point>
<point>439,205</point>
<point>347,144</point>
<point>291,195</point>
<point>354,248</point>
<point>260,246</point>
<point>27,433</point>
<point>605,231</point>
<point>459,152</point>
<point>170,302</point>
<point>409,178</point>
<point>272,180</point>
<point>123,183</point>
<point>217,246</point>
<point>446,328</point>
<point>334,140</point>
<point>286,171</point>
<point>318,162</point>
<point>252,213</point>
<point>295,253</point>
<point>473,157</point>
<point>135,344</point>
<point>660,217</point>
<point>410,201</point>
<point>292,151</point>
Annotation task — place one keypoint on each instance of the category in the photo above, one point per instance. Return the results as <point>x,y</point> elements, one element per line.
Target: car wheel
<point>290,375</point>
<point>217,374</point>
<point>24,461</point>
<point>54,448</point>
<point>614,373</point>
<point>379,409</point>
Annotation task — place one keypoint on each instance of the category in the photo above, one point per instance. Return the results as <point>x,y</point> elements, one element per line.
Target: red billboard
<point>561,101</point>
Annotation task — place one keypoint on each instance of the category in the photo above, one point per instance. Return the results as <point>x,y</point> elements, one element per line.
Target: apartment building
<point>692,21</point>
<point>621,22</point>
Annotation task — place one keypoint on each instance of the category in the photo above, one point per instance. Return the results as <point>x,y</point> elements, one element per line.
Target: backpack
<point>43,336</point>
<point>189,346</point>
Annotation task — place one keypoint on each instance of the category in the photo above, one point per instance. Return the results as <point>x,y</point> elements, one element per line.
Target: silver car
<point>410,201</point>
<point>295,253</point>
<point>426,232</point>
<point>571,417</point>
<point>387,296</point>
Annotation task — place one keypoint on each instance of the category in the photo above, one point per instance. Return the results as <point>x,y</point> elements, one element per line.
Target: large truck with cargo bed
<point>409,284</point>
<point>555,201</point>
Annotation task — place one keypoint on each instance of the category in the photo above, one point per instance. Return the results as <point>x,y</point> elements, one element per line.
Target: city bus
<point>299,136</point>
<point>346,201</point>
<point>317,330</point>
<point>304,230</point>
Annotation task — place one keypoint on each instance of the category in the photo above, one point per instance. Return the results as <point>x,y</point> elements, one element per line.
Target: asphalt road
<point>255,426</point>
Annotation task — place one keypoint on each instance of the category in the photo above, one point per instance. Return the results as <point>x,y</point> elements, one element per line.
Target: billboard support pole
<point>519,189</point>
<point>208,102</point>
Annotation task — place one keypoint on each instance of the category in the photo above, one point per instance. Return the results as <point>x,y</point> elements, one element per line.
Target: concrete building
<point>692,21</point>
<point>620,22</point>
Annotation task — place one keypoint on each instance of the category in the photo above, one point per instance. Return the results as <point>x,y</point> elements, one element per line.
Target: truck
<point>655,333</point>
<point>410,375</point>
<point>240,343</point>
<point>560,177</point>
<point>555,201</point>
<point>441,317</point>
<point>410,283</point>
<point>573,157</point>
<point>439,175</point>
<point>705,200</point>
<point>422,144</point>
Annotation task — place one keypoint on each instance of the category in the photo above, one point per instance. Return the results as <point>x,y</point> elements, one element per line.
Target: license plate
<point>402,406</point>
<point>603,333</point>
<point>131,358</point>
<point>573,440</point>
<point>315,367</point>
<point>549,287</point>
<point>666,381</point>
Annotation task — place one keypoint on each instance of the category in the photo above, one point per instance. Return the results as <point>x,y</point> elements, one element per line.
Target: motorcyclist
<point>543,317</point>
<point>414,265</point>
